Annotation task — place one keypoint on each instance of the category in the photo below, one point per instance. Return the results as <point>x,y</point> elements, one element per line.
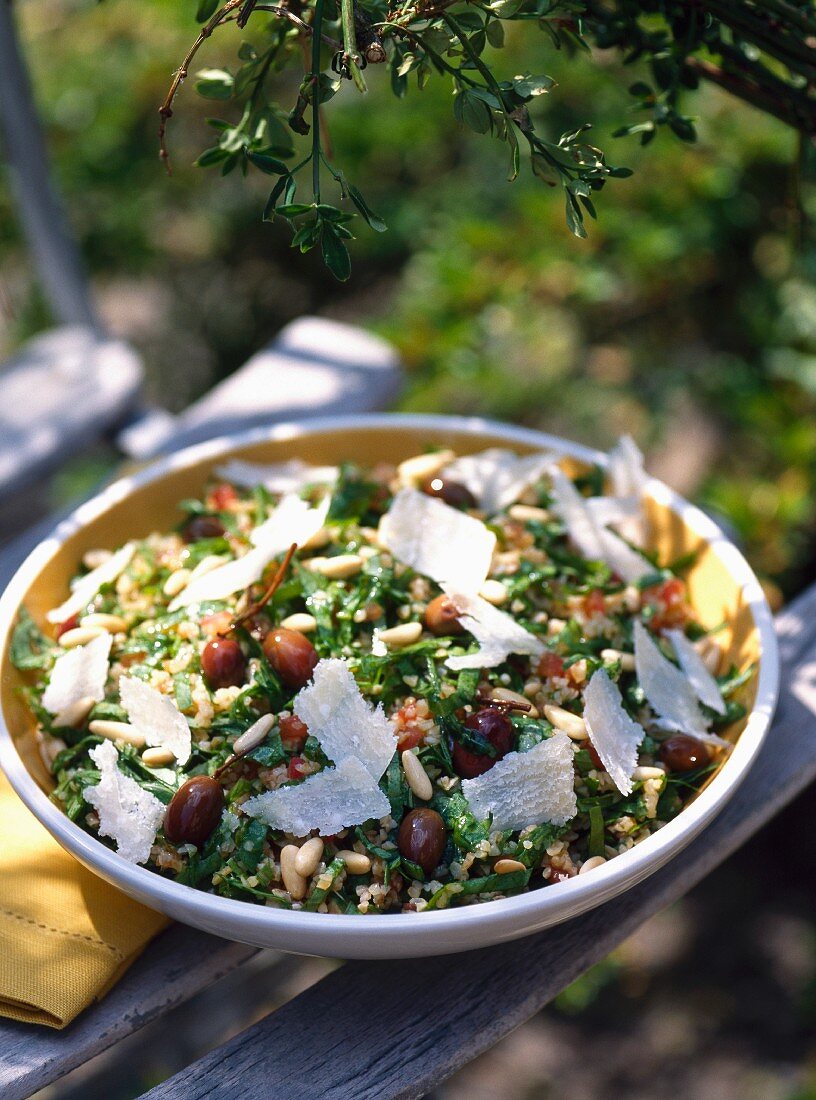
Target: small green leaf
<point>335,254</point>
<point>215,155</point>
<point>206,8</point>
<point>371,219</point>
<point>294,209</point>
<point>495,34</point>
<point>270,165</point>
<point>529,86</point>
<point>214,84</point>
<point>471,111</point>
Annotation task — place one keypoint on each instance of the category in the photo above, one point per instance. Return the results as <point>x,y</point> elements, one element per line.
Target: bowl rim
<point>502,916</point>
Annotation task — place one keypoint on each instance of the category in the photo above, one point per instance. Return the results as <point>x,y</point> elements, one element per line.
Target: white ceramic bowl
<point>48,568</point>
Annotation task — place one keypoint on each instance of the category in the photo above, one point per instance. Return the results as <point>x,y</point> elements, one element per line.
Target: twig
<point>166,109</point>
<point>284,13</point>
<point>254,608</point>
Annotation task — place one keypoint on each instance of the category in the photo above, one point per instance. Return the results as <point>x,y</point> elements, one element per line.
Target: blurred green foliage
<point>687,317</point>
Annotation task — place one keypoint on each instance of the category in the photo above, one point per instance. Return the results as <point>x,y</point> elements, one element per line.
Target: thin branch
<point>284,13</point>
<point>790,111</point>
<point>166,109</point>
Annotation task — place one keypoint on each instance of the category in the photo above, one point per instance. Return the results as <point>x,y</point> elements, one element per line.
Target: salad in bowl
<point>382,688</point>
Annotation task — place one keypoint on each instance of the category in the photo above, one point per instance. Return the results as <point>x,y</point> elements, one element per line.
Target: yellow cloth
<point>65,935</point>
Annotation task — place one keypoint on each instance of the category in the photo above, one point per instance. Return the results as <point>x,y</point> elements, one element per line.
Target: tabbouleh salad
<point>356,690</point>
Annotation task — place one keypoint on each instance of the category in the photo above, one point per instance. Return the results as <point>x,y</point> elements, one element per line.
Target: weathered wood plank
<point>397,1029</point>
<point>177,965</point>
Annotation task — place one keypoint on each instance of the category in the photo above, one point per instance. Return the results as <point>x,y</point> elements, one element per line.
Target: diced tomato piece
<point>293,733</point>
<point>297,768</point>
<point>668,601</point>
<point>594,602</point>
<point>221,497</point>
<point>409,738</point>
<point>69,624</point>
<point>550,665</point>
<point>596,760</point>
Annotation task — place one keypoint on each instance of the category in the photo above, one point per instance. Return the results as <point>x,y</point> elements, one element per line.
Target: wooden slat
<point>177,965</point>
<point>397,1029</point>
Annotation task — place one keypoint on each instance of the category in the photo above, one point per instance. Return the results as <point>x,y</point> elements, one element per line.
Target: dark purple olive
<point>291,655</point>
<point>495,728</point>
<point>194,811</point>
<point>681,753</point>
<point>202,527</point>
<point>421,838</point>
<point>442,617</point>
<point>223,663</point>
<point>453,493</point>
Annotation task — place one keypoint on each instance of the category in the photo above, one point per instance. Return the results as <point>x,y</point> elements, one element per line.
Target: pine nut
<point>356,863</point>
<point>368,552</point>
<point>494,592</point>
<point>254,736</point>
<point>627,660</point>
<point>644,772</point>
<point>318,540</point>
<point>75,713</point>
<point>525,512</point>
<point>309,856</point>
<point>413,471</point>
<point>176,582</point>
<point>301,622</point>
<point>294,882</point>
<point>415,776</point>
<point>591,863</point>
<point>508,866</point>
<point>157,757</point>
<point>631,597</point>
<point>337,568</point>
<point>114,624</point>
<point>50,747</point>
<point>117,731</point>
<point>80,635</point>
<point>92,559</point>
<point>205,566</point>
<point>397,637</point>
<point>509,696</point>
<point>571,724</point>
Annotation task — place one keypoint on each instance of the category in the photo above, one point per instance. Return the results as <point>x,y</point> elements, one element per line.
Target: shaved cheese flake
<point>87,587</point>
<point>614,734</point>
<point>438,541</point>
<point>277,477</point>
<point>527,788</point>
<point>571,509</point>
<point>156,717</point>
<point>666,688</point>
<point>497,477</point>
<point>292,521</point>
<point>626,469</point>
<point>497,633</point>
<point>704,684</point>
<point>345,724</point>
<point>127,813</point>
<point>78,674</point>
<point>592,539</point>
<point>611,511</point>
<point>334,799</point>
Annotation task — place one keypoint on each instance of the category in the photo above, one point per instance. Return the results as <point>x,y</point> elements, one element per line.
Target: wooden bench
<point>397,1029</point>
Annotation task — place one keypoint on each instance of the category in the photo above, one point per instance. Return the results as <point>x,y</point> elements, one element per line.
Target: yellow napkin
<point>65,936</point>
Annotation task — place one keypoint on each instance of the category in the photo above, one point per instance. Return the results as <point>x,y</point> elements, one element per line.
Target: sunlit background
<point>687,318</point>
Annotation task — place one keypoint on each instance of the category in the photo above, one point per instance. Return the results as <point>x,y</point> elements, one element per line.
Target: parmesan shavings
<point>666,688</point>
<point>592,539</point>
<point>614,734</point>
<point>626,470</point>
<point>127,813</point>
<point>527,788</point>
<point>156,717</point>
<point>293,520</point>
<point>704,684</point>
<point>327,802</point>
<point>336,713</point>
<point>497,633</point>
<point>497,477</point>
<point>87,587</point>
<point>78,674</point>
<point>277,477</point>
<point>438,541</point>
